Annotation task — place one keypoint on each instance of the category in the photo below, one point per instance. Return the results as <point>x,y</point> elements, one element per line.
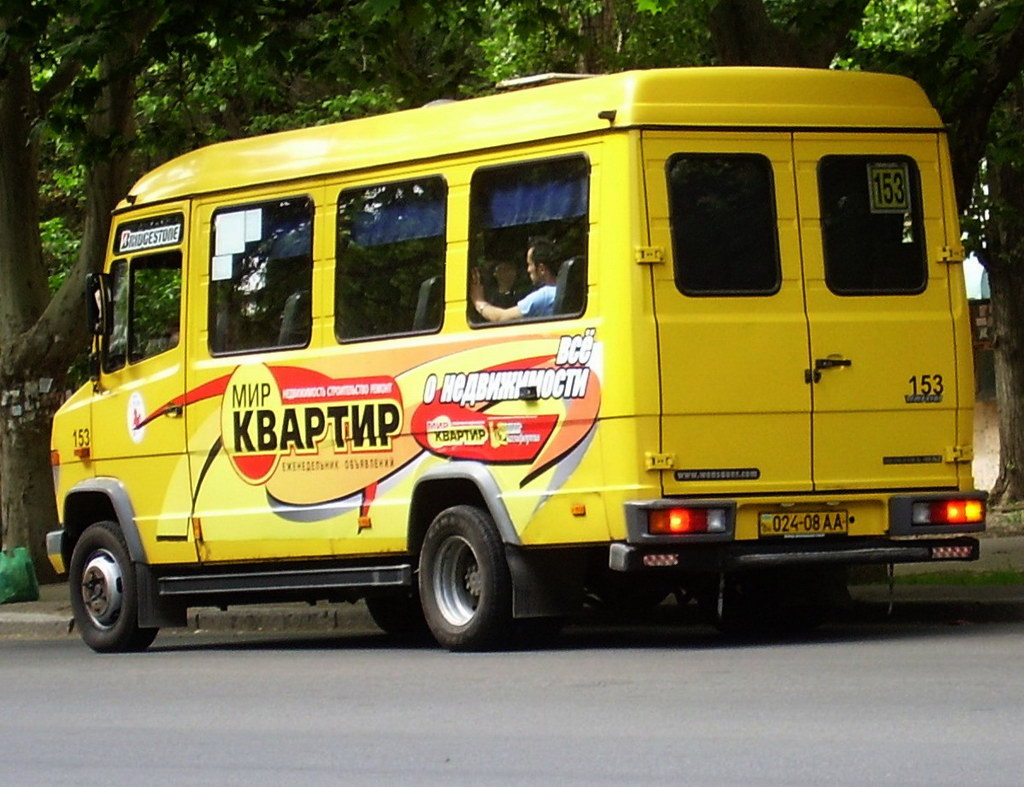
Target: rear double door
<point>804,322</point>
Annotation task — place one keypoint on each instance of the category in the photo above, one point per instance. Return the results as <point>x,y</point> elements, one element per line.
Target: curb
<point>34,624</point>
<point>305,618</point>
<point>275,619</point>
<point>870,603</point>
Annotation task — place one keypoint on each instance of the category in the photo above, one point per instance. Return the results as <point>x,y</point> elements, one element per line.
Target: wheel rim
<point>102,584</point>
<point>457,581</point>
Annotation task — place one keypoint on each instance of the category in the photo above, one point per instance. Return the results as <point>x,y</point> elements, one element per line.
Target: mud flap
<point>155,612</point>
<point>546,582</point>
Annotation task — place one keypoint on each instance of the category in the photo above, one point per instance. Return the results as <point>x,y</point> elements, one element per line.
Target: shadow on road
<point>667,626</point>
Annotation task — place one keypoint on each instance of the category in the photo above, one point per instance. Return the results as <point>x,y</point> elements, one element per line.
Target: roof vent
<point>537,80</point>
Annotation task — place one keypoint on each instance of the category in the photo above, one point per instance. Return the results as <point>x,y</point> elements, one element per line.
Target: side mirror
<point>100,319</point>
<point>97,304</point>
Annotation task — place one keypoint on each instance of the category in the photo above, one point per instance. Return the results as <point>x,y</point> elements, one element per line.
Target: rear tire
<point>104,594</point>
<point>465,583</point>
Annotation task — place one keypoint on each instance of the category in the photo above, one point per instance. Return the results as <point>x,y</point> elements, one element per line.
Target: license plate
<point>803,523</point>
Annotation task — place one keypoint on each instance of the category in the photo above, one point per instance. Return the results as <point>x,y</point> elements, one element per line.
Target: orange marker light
<point>949,512</point>
<point>961,511</point>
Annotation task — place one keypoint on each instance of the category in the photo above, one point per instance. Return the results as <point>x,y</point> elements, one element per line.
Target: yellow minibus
<point>694,331</point>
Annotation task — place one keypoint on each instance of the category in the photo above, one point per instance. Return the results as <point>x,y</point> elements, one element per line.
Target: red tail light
<point>679,521</point>
<point>949,512</point>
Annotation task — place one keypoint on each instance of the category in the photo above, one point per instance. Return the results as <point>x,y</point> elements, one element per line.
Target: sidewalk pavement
<point>938,594</point>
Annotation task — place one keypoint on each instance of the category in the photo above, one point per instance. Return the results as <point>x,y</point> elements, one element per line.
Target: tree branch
<point>60,82</point>
<point>743,34</point>
<point>1002,63</point>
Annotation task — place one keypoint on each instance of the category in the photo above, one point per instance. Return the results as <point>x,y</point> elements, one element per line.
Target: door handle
<point>173,411</point>
<point>812,376</point>
<point>830,363</point>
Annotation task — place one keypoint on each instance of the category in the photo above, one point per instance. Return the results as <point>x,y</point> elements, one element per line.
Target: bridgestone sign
<point>153,233</point>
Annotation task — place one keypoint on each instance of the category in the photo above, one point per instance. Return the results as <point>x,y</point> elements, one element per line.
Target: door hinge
<point>952,255</point>
<point>959,453</point>
<point>654,461</point>
<point>649,255</point>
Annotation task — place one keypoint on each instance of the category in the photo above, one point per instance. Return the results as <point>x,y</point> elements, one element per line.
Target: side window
<point>156,305</point>
<point>871,225</point>
<point>390,266</point>
<point>723,224</point>
<point>261,276</point>
<point>147,307</point>
<point>528,240</point>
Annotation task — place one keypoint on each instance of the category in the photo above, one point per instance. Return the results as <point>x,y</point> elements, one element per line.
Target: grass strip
<point>971,578</point>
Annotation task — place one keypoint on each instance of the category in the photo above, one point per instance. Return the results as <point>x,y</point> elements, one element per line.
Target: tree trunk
<point>743,34</point>
<point>1008,345</point>
<point>23,296</point>
<point>39,336</point>
<point>599,37</point>
<point>1005,242</point>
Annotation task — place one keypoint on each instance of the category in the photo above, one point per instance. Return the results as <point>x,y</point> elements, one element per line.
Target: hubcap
<point>102,588</point>
<point>457,581</point>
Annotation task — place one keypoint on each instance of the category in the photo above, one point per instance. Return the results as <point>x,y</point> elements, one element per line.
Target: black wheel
<point>465,584</point>
<point>104,597</point>
<point>399,616</point>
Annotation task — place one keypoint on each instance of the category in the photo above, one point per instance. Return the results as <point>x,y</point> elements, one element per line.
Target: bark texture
<point>1006,278</point>
<point>743,34</point>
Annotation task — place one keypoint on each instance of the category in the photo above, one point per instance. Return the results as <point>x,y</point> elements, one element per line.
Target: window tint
<point>871,225</point>
<point>261,275</point>
<point>724,230</point>
<point>536,204</point>
<point>390,267</point>
<point>146,299</point>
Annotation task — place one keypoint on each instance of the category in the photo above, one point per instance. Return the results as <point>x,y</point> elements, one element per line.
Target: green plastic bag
<point>17,576</point>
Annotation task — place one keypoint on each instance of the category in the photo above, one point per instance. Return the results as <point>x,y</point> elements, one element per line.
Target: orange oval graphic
<point>250,414</point>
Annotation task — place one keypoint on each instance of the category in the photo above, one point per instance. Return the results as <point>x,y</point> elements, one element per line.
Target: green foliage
<point>205,72</point>
<point>60,246</point>
<point>594,36</point>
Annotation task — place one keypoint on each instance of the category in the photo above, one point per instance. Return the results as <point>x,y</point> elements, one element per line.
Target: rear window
<point>871,225</point>
<point>724,229</point>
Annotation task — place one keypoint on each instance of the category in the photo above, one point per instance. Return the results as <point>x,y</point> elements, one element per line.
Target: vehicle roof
<point>726,97</point>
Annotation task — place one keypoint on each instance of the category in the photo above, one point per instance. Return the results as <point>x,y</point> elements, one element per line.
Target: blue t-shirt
<point>539,303</point>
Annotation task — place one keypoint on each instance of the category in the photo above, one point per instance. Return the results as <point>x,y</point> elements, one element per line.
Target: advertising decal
<point>310,438</point>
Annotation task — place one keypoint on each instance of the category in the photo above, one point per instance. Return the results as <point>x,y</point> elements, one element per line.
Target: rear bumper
<point>738,556</point>
<point>908,527</point>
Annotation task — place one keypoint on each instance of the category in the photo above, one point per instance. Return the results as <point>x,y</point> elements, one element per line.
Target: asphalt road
<point>866,702</point>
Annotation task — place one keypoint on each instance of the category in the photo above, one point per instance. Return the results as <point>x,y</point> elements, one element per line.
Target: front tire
<point>464,580</point>
<point>104,594</point>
